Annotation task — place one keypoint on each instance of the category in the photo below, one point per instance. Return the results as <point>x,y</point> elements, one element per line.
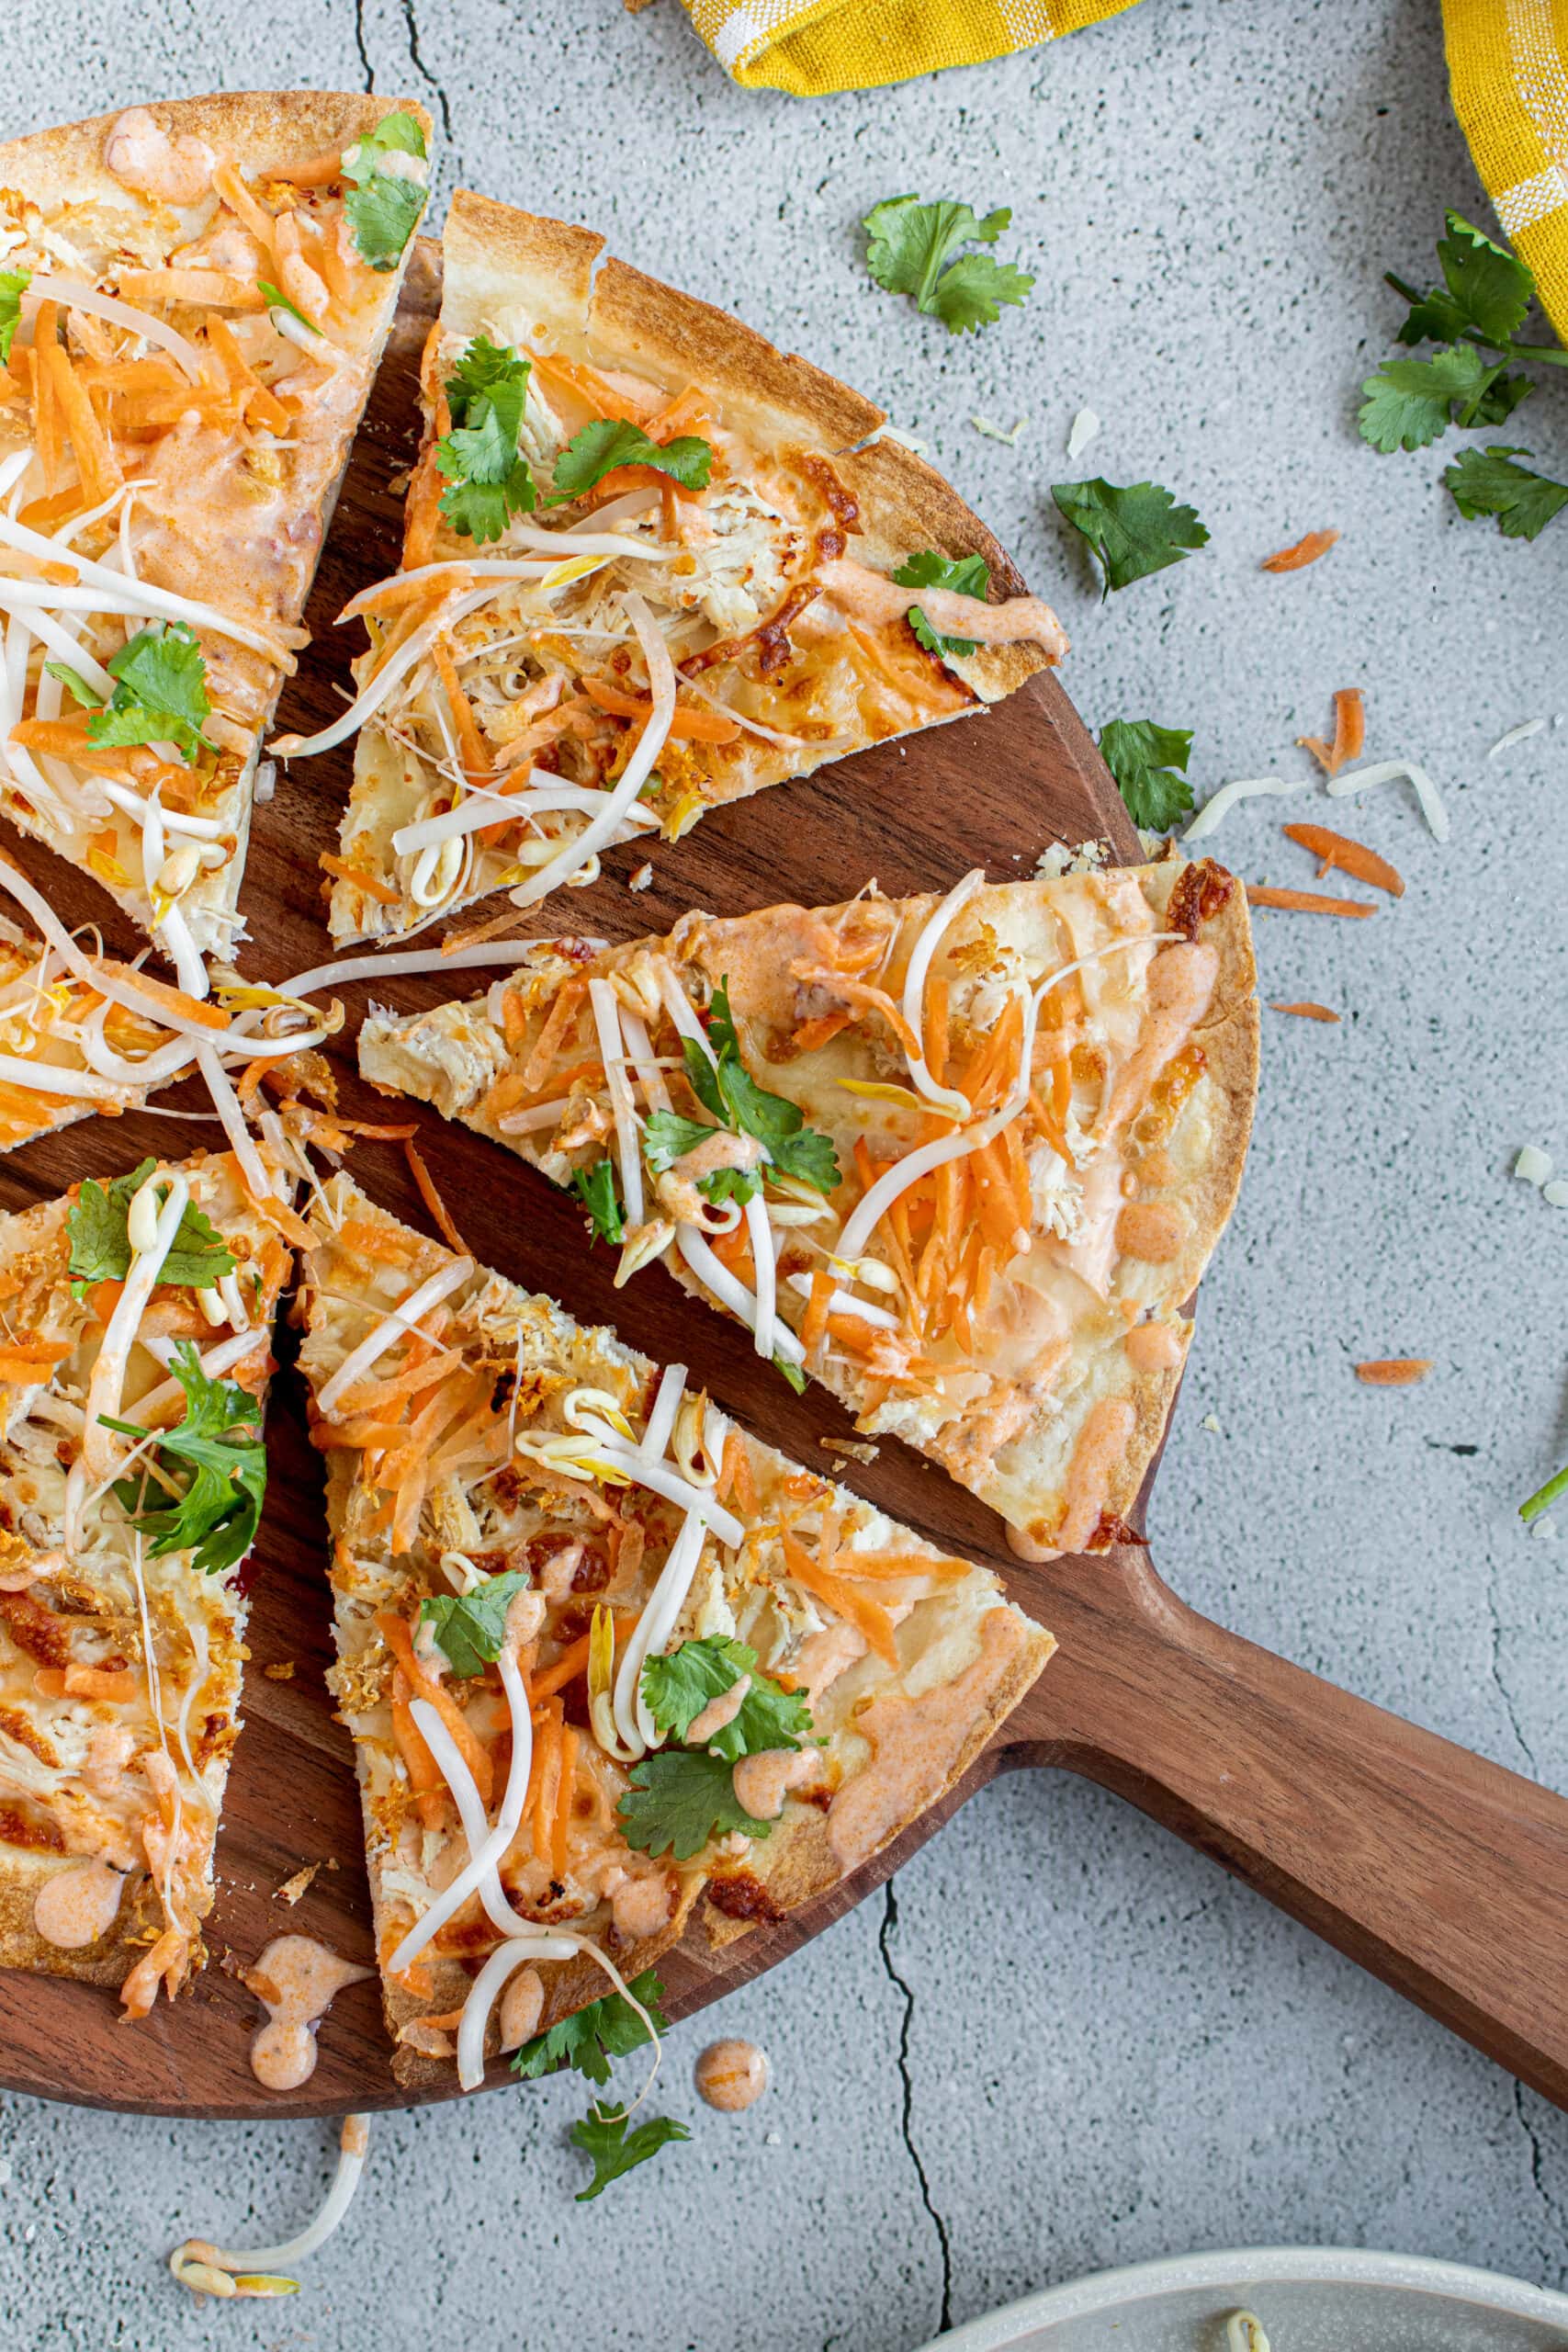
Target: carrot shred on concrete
<point>1305,903</point>
<point>1354,858</point>
<point>1393,1372</point>
<point>1305,551</point>
<point>1307,1009</point>
<point>1349,732</point>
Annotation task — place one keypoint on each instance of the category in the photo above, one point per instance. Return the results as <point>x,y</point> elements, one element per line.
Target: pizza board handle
<point>1443,1874</point>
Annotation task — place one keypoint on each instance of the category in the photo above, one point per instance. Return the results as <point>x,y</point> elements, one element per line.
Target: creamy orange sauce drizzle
<point>296,1980</point>
<point>1153,1347</point>
<point>917,1743</point>
<point>75,1908</point>
<point>731,2075</point>
<point>1102,1444</point>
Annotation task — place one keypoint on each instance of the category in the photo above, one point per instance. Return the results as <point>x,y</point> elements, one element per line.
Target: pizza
<point>650,564</point>
<point>601,1651</point>
<point>133,1371</point>
<point>47,1080</point>
<point>193,300</point>
<point>961,1159</point>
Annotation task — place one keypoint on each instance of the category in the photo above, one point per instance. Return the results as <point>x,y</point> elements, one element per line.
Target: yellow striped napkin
<point>1508,66</point>
<point>1508,60</point>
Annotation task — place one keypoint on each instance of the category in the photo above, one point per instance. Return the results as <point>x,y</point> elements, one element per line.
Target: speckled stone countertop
<point>1060,2040</point>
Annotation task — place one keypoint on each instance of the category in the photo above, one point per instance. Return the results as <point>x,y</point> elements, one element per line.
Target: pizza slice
<point>133,1377</point>
<point>193,301</point>
<point>651,565</point>
<point>598,1648</point>
<point>962,1160</point>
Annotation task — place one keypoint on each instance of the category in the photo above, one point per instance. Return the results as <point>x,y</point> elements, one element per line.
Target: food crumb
<point>643,877</point>
<point>1211,1421</point>
<point>1546,1527</point>
<point>1556,1193</point>
<point>853,1449</point>
<point>282,1671</point>
<point>293,1888</point>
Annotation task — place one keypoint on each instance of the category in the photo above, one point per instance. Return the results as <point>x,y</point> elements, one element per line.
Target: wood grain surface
<point>1444,1874</point>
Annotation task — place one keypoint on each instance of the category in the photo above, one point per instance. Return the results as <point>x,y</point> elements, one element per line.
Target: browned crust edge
<point>66,164</point>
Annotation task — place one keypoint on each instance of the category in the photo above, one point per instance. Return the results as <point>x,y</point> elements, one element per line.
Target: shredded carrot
<point>425,1773</point>
<point>1306,902</point>
<point>87,1683</point>
<point>473,758</point>
<point>557,1021</point>
<point>595,389</point>
<point>432,1198</point>
<point>821,1030</point>
<point>876,1566</point>
<point>360,879</point>
<point>358,1236</point>
<point>1394,1372</point>
<point>574,1660</point>
<point>994,1196</point>
<point>207,289</point>
<point>936,1009</point>
<point>867,1616</point>
<point>697,726</point>
<point>227,185</point>
<point>405,588</point>
<point>394,1632</point>
<point>374,1396</point>
<point>1305,551</point>
<point>547,1724</point>
<point>1306,1008</point>
<point>566,1785</point>
<point>318,171</point>
<point>1354,858</point>
<point>1049,1129</point>
<point>814,1323</point>
<point>263,405</point>
<point>45,414</point>
<point>190,1008</point>
<point>94,459</point>
<point>1350,733</point>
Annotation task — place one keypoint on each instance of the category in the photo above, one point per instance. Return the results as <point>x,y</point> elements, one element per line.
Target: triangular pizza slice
<point>598,1648</point>
<point>133,1372</point>
<point>193,301</point>
<point>962,1160</point>
<point>651,565</point>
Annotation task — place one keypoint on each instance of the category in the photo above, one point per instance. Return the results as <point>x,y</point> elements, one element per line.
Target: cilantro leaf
<point>1131,530</point>
<point>383,204</point>
<point>160,694</point>
<point>1486,291</point>
<point>1144,759</point>
<point>678,1799</point>
<point>727,1088</point>
<point>1487,481</point>
<point>100,1241</point>
<point>679,1684</point>
<point>471,1627</point>
<point>613,2150</point>
<point>277,300</point>
<point>14,284</point>
<point>737,1184</point>
<point>489,480</point>
<point>914,249</point>
<point>591,2037</point>
<point>668,1137</point>
<point>216,1514</point>
<point>970,575</point>
<point>612,441</point>
<point>595,1188</point>
<point>1410,402</point>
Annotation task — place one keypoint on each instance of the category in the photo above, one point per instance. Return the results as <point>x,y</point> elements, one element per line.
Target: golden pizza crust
<point>65,166</point>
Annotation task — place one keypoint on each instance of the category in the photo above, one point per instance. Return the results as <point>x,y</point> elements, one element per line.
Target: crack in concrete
<point>1503,1690</point>
<point>443,103</point>
<point>1553,2210</point>
<point>360,44</point>
<point>888,1928</point>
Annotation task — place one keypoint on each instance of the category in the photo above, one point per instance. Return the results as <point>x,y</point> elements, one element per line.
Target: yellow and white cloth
<point>1508,60</point>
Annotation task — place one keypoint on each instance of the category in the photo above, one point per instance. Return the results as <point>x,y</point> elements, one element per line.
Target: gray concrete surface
<point>1063,2042</point>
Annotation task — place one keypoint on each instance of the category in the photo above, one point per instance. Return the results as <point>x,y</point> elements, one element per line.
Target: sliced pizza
<point>650,564</point>
<point>193,300</point>
<point>962,1160</point>
<point>133,1373</point>
<point>598,1648</point>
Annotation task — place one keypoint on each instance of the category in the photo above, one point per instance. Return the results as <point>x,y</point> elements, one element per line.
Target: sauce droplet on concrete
<point>731,2075</point>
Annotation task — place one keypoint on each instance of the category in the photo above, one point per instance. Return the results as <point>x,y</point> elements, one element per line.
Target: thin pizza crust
<point>491,1484</point>
<point>235,509</point>
<point>128,1776</point>
<point>1049,1394</point>
<point>803,494</point>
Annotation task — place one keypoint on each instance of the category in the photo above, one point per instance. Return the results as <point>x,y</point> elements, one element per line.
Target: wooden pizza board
<point>1385,1839</point>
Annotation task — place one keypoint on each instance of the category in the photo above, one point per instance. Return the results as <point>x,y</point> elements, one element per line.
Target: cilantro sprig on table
<point>1149,762</point>
<point>680,1798</point>
<point>1476,377</point>
<point>1131,529</point>
<point>381,200</point>
<point>725,1087</point>
<point>968,575</point>
<point>915,249</point>
<point>203,1490</point>
<point>14,284</point>
<point>97,1228</point>
<point>613,2150</point>
<point>470,1627</point>
<point>488,481</point>
<point>159,693</point>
